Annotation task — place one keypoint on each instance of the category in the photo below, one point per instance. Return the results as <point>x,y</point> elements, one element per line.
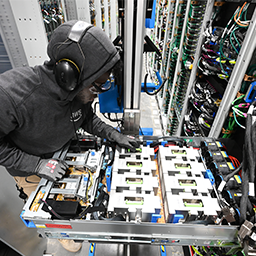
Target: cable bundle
<point>204,101</point>
<point>215,65</point>
<point>222,45</point>
<point>248,199</point>
<point>193,28</point>
<point>52,15</point>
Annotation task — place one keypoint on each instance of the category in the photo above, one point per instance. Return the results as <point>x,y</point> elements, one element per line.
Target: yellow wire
<point>196,251</point>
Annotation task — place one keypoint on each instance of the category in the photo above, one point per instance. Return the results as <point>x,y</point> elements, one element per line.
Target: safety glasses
<point>100,88</point>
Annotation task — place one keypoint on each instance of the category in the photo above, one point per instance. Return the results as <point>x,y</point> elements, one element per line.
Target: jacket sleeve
<point>12,157</point>
<point>94,125</point>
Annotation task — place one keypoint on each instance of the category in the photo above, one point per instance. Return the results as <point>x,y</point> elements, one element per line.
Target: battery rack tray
<point>164,193</point>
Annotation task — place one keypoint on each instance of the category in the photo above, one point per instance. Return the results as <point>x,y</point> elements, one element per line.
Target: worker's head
<point>82,54</point>
<point>89,93</point>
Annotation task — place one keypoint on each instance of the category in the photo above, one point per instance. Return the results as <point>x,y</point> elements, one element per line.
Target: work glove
<point>124,141</point>
<point>51,169</point>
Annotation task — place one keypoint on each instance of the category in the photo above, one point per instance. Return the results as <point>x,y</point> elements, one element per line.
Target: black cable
<point>180,141</point>
<point>99,201</point>
<point>118,217</point>
<point>89,209</point>
<point>112,156</point>
<point>94,107</point>
<point>110,119</point>
<point>155,92</point>
<point>114,120</point>
<point>83,213</point>
<point>73,121</point>
<point>101,198</point>
<point>229,176</point>
<point>248,174</point>
<point>31,182</point>
<point>141,131</point>
<point>170,139</point>
<point>53,211</point>
<point>248,147</point>
<point>87,185</point>
<point>245,189</point>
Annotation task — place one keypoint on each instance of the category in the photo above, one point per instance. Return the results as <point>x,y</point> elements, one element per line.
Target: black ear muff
<point>67,74</point>
<point>66,71</point>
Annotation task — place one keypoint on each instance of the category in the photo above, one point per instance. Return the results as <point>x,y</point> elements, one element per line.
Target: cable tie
<point>249,78</point>
<point>243,105</point>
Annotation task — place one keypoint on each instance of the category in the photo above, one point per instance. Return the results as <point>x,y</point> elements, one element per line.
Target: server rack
<point>178,53</point>
<point>26,34</point>
<point>181,73</point>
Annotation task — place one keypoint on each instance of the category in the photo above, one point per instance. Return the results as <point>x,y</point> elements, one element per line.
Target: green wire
<point>231,41</point>
<point>222,40</point>
<point>231,124</point>
<point>245,12</point>
<point>196,251</point>
<point>240,97</point>
<point>243,253</point>
<point>232,121</point>
<point>234,113</point>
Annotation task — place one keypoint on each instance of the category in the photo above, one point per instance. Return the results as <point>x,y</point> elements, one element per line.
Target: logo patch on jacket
<point>76,115</point>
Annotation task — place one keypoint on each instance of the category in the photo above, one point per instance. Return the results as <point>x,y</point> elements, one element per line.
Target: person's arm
<point>10,156</point>
<point>96,126</point>
<point>16,160</point>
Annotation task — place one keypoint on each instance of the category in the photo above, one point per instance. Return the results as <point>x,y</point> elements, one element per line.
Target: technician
<point>43,106</point>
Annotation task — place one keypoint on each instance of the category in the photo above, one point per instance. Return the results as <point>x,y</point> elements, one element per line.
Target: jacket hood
<point>94,54</point>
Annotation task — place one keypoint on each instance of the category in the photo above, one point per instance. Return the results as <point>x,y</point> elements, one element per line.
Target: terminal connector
<point>247,232</point>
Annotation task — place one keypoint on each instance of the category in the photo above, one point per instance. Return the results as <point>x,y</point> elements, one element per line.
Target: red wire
<point>237,164</point>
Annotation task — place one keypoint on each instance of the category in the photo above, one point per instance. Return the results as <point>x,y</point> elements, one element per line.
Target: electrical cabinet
<point>207,56</point>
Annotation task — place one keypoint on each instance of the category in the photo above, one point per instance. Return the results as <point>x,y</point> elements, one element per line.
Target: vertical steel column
<point>10,36</point>
<point>62,2</point>
<point>71,9</point>
<point>139,46</point>
<point>98,13</point>
<point>128,41</point>
<point>31,29</point>
<point>207,17</point>
<point>113,19</point>
<point>133,57</point>
<point>83,10</point>
<point>178,64</point>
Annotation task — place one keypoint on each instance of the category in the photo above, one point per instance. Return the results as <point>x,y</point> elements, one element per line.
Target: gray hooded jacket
<point>35,116</point>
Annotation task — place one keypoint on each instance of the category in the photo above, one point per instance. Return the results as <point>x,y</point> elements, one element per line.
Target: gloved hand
<point>124,141</point>
<point>51,169</point>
